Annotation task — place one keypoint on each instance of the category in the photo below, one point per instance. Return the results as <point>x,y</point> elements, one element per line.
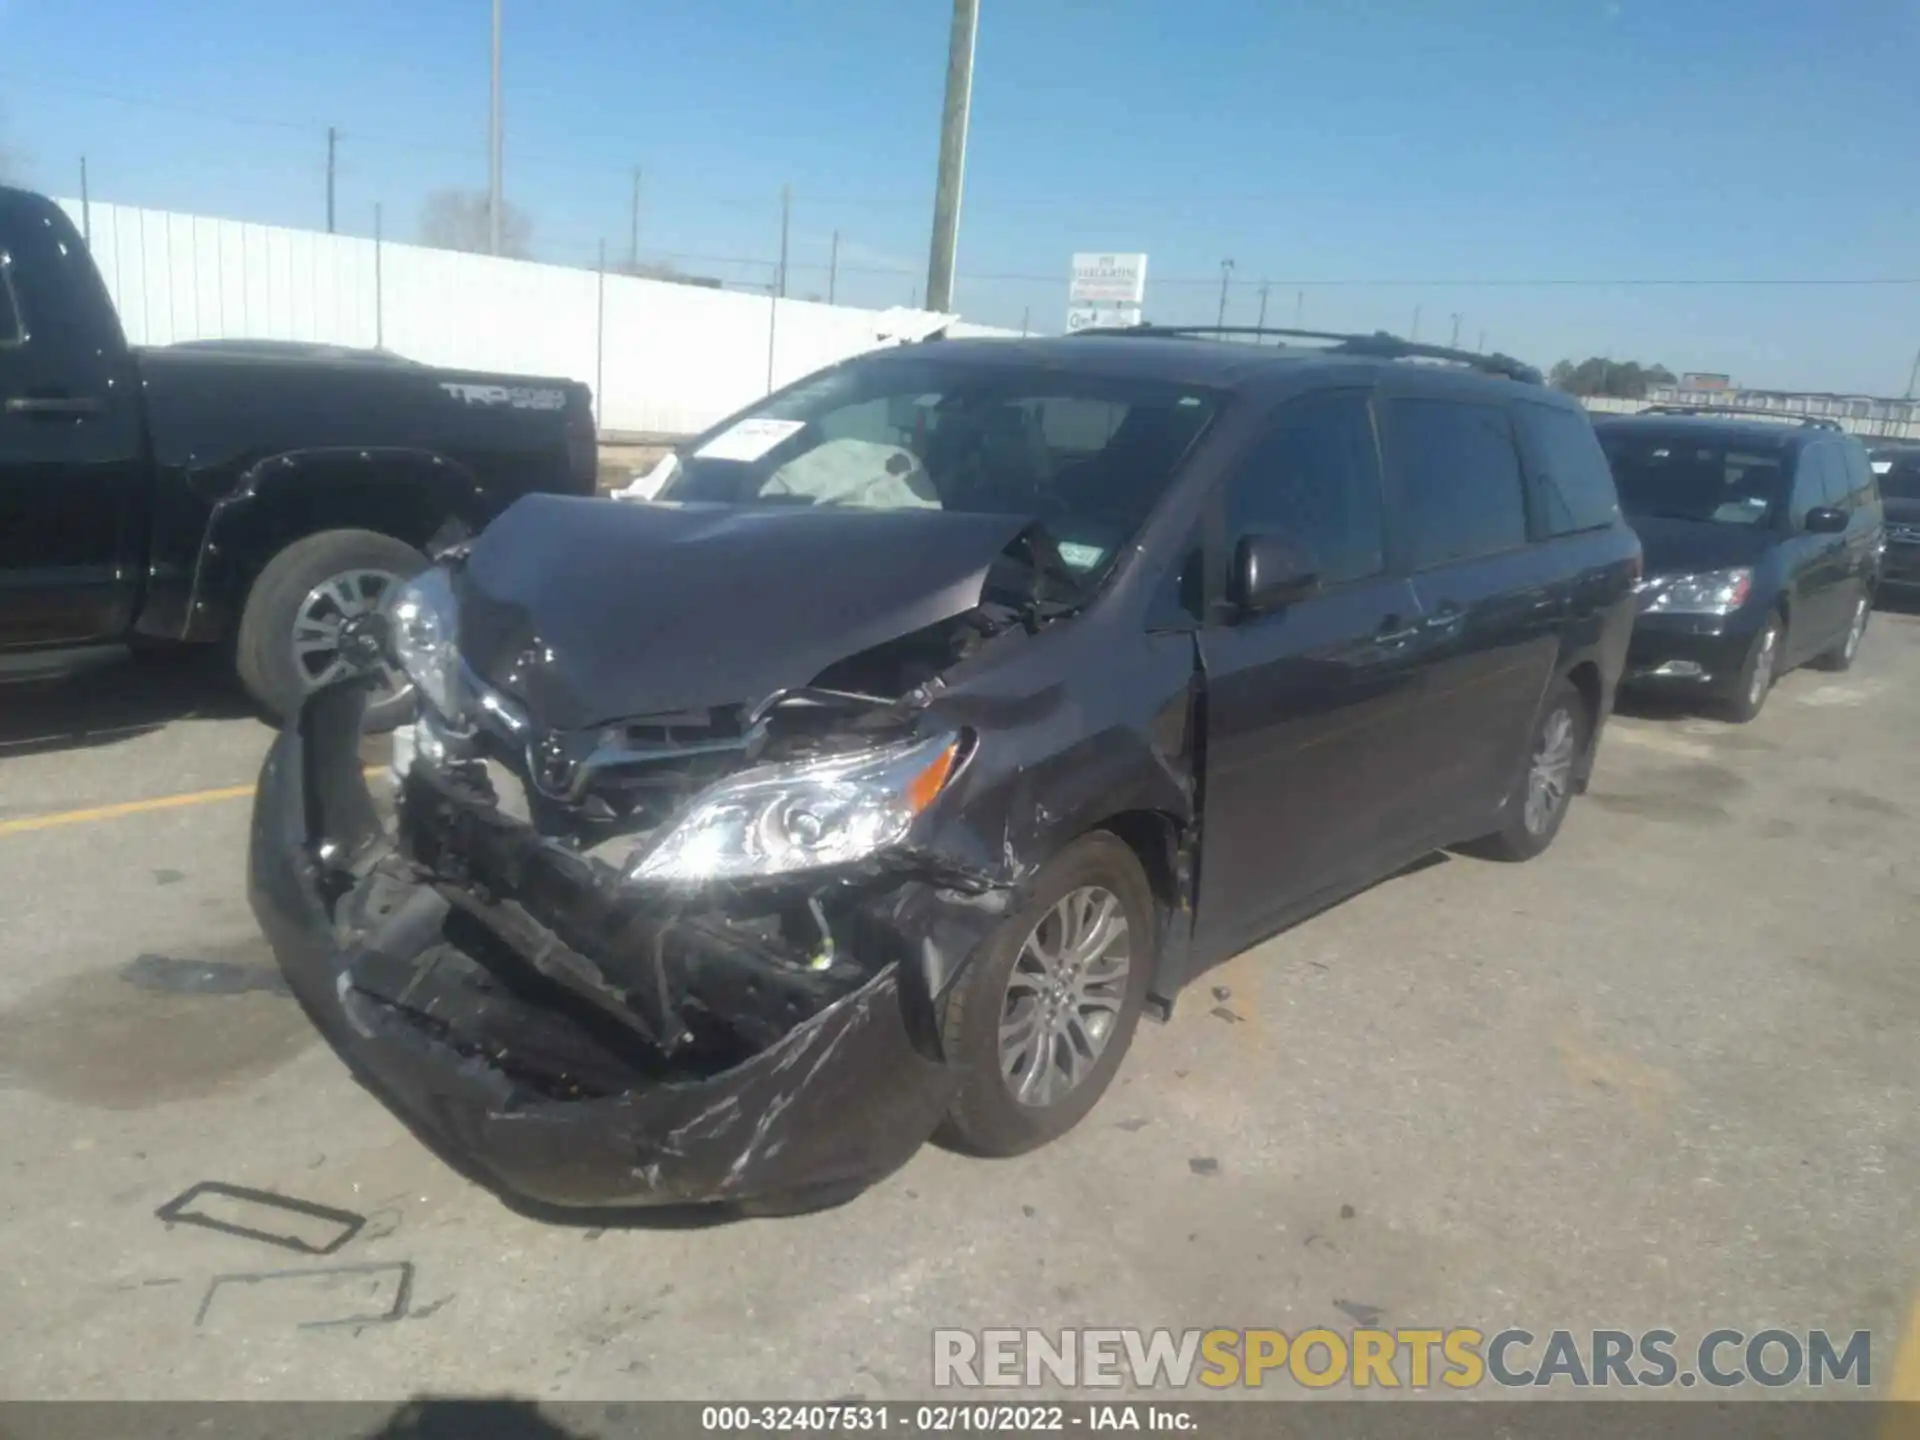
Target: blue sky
<point>1364,157</point>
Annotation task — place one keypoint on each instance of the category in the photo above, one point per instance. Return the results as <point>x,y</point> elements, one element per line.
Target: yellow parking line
<point>1903,1386</point>
<point>134,807</point>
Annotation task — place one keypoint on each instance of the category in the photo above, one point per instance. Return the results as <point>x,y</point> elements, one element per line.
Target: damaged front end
<point>692,954</point>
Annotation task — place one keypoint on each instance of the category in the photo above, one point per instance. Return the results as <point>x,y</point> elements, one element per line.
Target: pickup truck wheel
<point>314,615</point>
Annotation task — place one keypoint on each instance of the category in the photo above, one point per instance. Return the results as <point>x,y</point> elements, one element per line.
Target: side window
<point>1859,475</point>
<point>12,330</point>
<point>1314,478</point>
<point>1457,484</point>
<point>1573,484</point>
<point>1819,479</point>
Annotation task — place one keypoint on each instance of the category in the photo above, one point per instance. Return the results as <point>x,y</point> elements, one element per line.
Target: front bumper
<point>1688,654</point>
<point>534,1099</point>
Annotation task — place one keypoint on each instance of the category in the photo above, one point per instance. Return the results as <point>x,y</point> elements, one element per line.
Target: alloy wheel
<point>1859,627</point>
<point>341,627</point>
<point>1064,996</point>
<point>1550,772</point>
<point>1762,679</point>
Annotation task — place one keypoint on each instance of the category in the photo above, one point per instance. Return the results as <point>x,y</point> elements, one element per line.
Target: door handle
<point>1393,631</point>
<point>54,406</point>
<point>1447,617</point>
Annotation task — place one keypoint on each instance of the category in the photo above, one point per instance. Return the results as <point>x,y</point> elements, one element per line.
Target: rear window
<point>1571,479</point>
<point>1457,480</point>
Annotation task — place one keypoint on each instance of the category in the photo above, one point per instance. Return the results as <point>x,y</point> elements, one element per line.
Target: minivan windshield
<point>1089,455</point>
<point>1678,477</point>
<point>1901,479</point>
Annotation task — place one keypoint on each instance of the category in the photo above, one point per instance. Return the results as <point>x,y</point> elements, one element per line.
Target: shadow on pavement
<point>119,701</point>
<point>471,1419</point>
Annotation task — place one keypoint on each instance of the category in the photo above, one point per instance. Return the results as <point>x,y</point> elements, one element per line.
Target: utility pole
<point>86,216</point>
<point>633,226</point>
<point>1454,343</point>
<point>1299,309</point>
<point>833,267</point>
<point>379,285</point>
<point>786,213</point>
<point>1913,375</point>
<point>493,145</point>
<point>953,154</point>
<point>1226,270</point>
<point>332,140</point>
<point>1416,324</point>
<point>1481,348</point>
<point>1026,314</point>
<point>1261,323</point>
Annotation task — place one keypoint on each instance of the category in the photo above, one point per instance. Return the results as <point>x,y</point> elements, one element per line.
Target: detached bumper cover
<point>839,1101</point>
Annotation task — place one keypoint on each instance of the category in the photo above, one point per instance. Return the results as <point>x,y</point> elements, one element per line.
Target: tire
<point>986,1118</point>
<point>286,588</point>
<point>1537,804</point>
<point>1842,655</point>
<point>1758,673</point>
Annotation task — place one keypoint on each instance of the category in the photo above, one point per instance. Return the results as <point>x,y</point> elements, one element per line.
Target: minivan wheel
<point>1537,804</point>
<point>1042,1016</point>
<point>1841,656</point>
<point>1757,674</point>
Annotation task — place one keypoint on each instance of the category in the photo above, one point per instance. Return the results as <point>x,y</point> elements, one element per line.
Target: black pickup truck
<point>258,493</point>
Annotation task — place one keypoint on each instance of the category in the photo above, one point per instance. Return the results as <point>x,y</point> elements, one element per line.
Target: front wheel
<point>314,616</point>
<point>1757,674</point>
<point>1042,1016</point>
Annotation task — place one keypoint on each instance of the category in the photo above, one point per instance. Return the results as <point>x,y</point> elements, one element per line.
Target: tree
<point>1618,379</point>
<point>457,220</point>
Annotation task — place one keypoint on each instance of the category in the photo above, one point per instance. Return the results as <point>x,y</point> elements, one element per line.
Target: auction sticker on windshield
<point>749,439</point>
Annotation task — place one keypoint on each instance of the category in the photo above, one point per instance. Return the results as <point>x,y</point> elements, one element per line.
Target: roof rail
<point>1808,422</point>
<point>1378,346</point>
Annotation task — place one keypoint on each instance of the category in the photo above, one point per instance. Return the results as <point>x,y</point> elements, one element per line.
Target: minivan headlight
<point>1710,592</point>
<point>421,631</point>
<point>781,819</point>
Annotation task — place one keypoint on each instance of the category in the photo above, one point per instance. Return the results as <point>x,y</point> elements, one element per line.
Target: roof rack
<point>1807,422</point>
<point>1378,346</point>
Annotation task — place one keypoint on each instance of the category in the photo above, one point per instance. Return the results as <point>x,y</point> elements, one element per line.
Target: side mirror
<point>1826,520</point>
<point>1268,571</point>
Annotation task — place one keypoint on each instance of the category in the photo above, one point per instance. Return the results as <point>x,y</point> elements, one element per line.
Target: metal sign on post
<point>1090,317</point>
<point>1108,279</point>
<point>1106,291</point>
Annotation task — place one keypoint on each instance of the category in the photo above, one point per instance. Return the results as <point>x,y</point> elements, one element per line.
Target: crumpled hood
<point>589,611</point>
<point>1677,547</point>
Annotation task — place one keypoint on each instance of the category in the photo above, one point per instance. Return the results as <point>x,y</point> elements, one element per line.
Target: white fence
<point>661,358</point>
<point>1865,428</point>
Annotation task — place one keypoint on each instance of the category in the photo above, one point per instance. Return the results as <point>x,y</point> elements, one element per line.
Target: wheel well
<point>1585,678</point>
<point>1153,836</point>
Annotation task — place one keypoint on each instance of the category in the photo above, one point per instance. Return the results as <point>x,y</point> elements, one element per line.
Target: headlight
<point>779,819</point>
<point>1712,592</point>
<point>421,627</point>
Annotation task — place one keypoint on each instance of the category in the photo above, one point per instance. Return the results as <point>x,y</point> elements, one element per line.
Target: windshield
<point>1901,479</point>
<point>1087,454</point>
<point>1686,479</point>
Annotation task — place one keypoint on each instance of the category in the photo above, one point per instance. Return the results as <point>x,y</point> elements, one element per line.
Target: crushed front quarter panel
<point>840,1100</point>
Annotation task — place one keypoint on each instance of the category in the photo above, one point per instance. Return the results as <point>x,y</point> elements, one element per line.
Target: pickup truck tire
<point>309,599</point>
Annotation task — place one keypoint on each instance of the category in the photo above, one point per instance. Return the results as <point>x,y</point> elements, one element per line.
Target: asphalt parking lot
<point>1665,1076</point>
